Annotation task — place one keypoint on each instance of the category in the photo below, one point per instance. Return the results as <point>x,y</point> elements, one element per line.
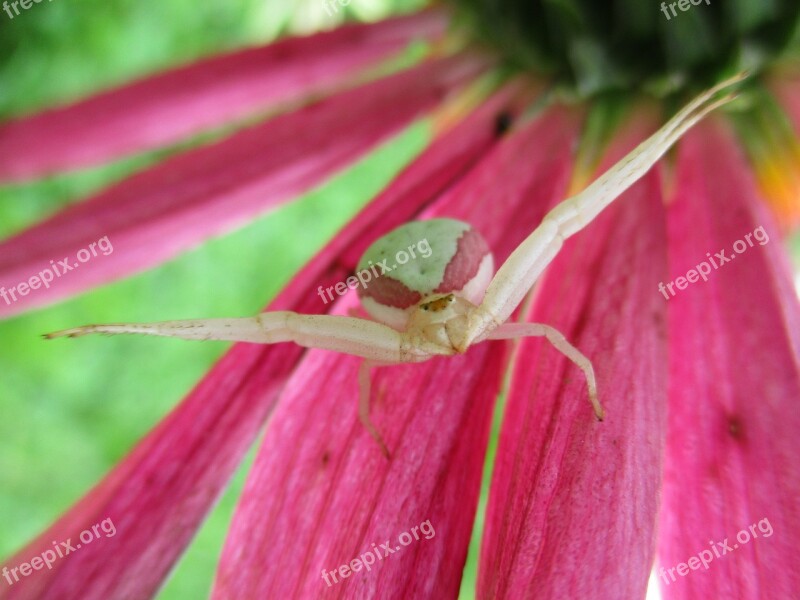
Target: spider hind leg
<point>364,389</point>
<point>509,331</point>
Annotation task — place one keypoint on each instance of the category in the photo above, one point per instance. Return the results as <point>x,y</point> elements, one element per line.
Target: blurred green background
<point>71,411</point>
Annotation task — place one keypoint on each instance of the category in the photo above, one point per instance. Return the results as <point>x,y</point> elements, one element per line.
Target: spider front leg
<point>516,276</point>
<point>379,344</point>
<point>509,331</point>
<point>348,335</point>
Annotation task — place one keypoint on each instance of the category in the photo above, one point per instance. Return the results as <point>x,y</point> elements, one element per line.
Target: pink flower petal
<point>786,87</point>
<point>573,504</point>
<point>160,494</point>
<point>321,492</point>
<point>155,215</point>
<point>169,106</point>
<point>733,438</point>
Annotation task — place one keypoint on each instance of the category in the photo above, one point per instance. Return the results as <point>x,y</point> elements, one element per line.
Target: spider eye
<point>439,303</point>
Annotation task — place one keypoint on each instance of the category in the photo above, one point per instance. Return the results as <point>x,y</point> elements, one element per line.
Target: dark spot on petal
<point>502,123</point>
<point>735,426</point>
<point>326,457</point>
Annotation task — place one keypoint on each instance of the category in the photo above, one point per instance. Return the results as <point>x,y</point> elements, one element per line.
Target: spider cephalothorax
<point>446,299</point>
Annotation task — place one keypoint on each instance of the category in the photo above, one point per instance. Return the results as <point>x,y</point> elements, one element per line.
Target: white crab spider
<point>443,307</point>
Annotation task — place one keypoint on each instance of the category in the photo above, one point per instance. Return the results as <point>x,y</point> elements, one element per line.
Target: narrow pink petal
<point>169,106</point>
<point>321,493</point>
<point>160,494</point>
<point>176,205</point>
<point>573,505</point>
<point>733,440</point>
<point>786,87</point>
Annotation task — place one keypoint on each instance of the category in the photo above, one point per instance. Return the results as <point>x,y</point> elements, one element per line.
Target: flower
<point>698,381</point>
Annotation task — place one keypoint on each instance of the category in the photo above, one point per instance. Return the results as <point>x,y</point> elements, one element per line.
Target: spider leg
<point>517,275</point>
<point>359,337</point>
<point>364,389</point>
<point>379,344</point>
<point>510,331</point>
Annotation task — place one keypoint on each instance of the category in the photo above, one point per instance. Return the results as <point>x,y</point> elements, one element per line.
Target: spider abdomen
<point>424,261</point>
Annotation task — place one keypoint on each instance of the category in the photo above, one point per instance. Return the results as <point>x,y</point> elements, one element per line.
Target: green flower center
<point>601,45</point>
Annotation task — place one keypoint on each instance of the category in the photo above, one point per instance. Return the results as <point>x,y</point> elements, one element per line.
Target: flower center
<point>602,45</point>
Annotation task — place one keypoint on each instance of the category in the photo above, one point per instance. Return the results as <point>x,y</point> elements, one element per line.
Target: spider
<point>443,307</point>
